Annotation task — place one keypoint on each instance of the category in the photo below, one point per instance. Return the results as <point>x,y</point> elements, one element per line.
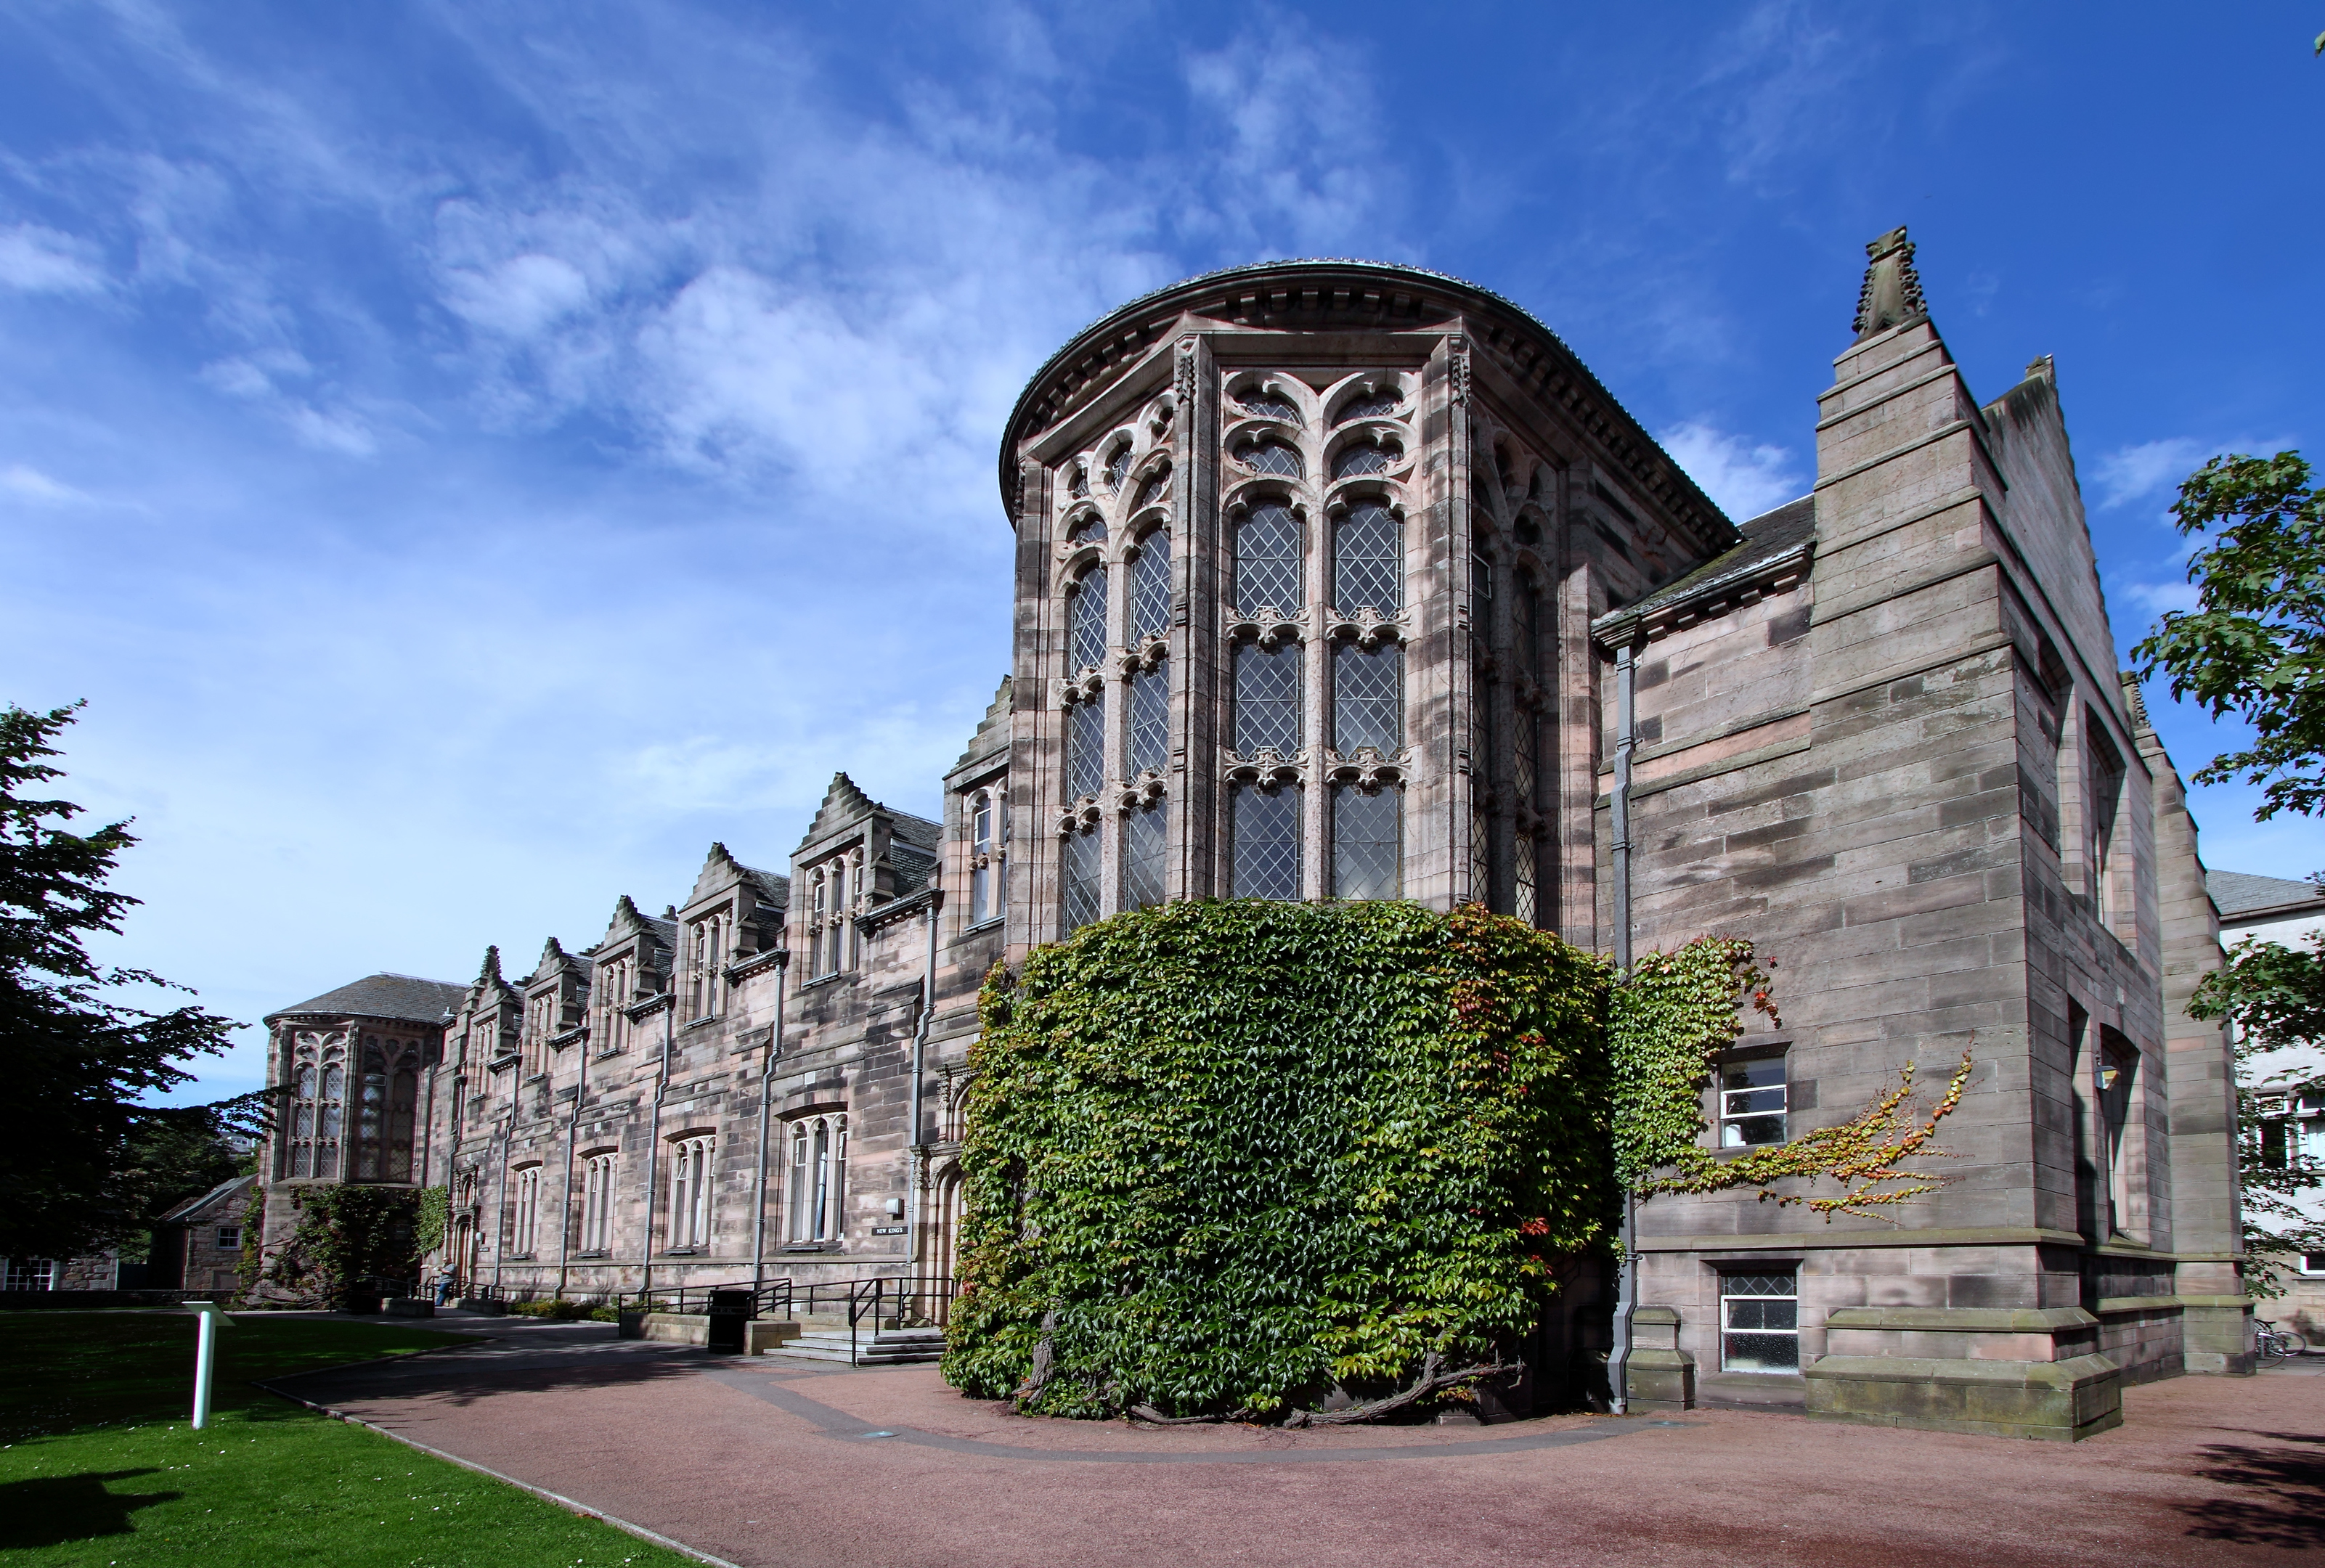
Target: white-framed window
<point>1753,1101</point>
<point>597,1204</point>
<point>1760,1321</point>
<point>29,1274</point>
<point>524,1212</point>
<point>2312,1263</point>
<point>229,1237</point>
<point>983,861</point>
<point>819,1170</point>
<point>690,1193</point>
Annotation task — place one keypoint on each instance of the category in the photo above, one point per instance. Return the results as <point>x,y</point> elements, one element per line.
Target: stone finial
<point>2040,368</point>
<point>490,972</point>
<point>1892,294</point>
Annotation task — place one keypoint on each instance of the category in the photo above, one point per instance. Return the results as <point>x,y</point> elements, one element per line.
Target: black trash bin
<point>730,1310</point>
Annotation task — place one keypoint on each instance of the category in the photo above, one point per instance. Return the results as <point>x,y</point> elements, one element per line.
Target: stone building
<point>1343,580</point>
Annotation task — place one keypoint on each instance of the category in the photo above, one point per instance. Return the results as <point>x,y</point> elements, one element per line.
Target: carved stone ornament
<point>1082,814</point>
<point>1267,767</point>
<point>1891,295</point>
<point>1367,627</point>
<point>1367,768</point>
<point>1084,686</point>
<point>1185,379</point>
<point>1459,379</point>
<point>1266,626</point>
<point>1147,787</point>
<point>1148,655</point>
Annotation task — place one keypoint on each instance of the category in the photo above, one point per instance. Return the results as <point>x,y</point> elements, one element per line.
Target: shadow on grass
<point>51,1510</point>
<point>2283,1501</point>
<point>469,1376</point>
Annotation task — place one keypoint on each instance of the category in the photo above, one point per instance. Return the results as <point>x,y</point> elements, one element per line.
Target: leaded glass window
<point>1267,561</point>
<point>1086,619</point>
<point>1143,846</point>
<point>1371,405</point>
<point>1151,487</point>
<point>1117,466</point>
<point>1268,697</point>
<point>1481,854</point>
<point>1081,863</point>
<point>1150,719</point>
<point>1085,748</point>
<point>1363,457</point>
<point>1269,405</point>
<point>1270,457</point>
<point>1088,530</point>
<point>1367,697</point>
<point>1525,905</point>
<point>1525,626</point>
<point>1760,1322</point>
<point>1526,772</point>
<point>1366,854</point>
<point>1268,842</point>
<point>1150,588</point>
<point>1368,560</point>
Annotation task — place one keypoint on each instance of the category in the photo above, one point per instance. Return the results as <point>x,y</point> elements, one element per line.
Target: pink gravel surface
<point>767,1461</point>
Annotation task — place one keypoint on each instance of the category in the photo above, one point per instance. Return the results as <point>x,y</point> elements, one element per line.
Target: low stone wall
<point>760,1334</point>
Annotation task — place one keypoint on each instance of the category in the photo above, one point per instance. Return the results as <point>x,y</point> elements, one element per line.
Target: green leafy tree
<point>87,1163</point>
<point>2254,648</point>
<point>2276,997</point>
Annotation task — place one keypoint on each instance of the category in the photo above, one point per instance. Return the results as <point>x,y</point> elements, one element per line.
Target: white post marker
<point>211,1315</point>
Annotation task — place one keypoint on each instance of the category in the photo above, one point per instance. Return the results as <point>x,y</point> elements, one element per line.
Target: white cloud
<point>2157,597</point>
<point>41,261</point>
<point>2151,467</point>
<point>331,432</point>
<point>1745,480</point>
<point>30,484</point>
<point>521,296</point>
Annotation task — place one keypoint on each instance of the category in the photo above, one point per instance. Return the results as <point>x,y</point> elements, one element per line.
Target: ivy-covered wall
<point>1272,1159</point>
<point>345,1236</point>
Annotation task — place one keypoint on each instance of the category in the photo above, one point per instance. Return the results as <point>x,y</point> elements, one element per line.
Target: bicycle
<point>2277,1344</point>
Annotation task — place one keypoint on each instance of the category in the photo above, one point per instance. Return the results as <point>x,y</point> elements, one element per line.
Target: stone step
<point>891,1347</point>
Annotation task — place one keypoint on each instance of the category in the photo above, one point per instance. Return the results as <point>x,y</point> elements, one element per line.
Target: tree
<point>2274,995</point>
<point>87,1162</point>
<point>2254,646</point>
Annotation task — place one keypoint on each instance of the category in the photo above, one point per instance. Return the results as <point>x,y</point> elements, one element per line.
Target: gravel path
<point>765,1463</point>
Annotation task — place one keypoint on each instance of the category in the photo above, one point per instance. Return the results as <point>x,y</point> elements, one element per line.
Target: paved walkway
<point>764,1462</point>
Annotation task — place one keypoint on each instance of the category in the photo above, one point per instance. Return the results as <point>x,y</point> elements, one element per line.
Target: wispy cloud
<point>2150,468</point>
<point>27,483</point>
<point>42,261</point>
<point>1743,478</point>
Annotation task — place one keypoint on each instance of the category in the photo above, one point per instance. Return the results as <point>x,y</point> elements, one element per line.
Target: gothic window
<point>1266,842</point>
<point>1526,862</point>
<point>1117,466</point>
<point>1371,405</point>
<point>371,1115</point>
<point>1267,561</point>
<point>524,1212</point>
<point>1079,876</point>
<point>1151,488</point>
<point>327,1120</point>
<point>690,1194</point>
<point>819,1172</point>
<point>1085,748</point>
<point>402,1110</point>
<point>984,874</point>
<point>1367,697</point>
<point>614,985</point>
<point>1270,457</point>
<point>709,939</point>
<point>1367,560</point>
<point>1481,856</point>
<point>2105,771</point>
<point>1365,852</point>
<point>1142,846</point>
<point>1268,404</point>
<point>1150,588</point>
<point>1150,719</point>
<point>1525,627</point>
<point>302,1122</point>
<point>597,1204</point>
<point>1266,699</point>
<point>1079,484</point>
<point>1085,621</point>
<point>1363,457</point>
<point>1086,530</point>
<point>819,915</point>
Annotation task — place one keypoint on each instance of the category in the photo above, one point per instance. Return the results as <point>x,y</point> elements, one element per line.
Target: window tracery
<point>613,988</point>
<point>1266,402</point>
<point>318,1079</point>
<point>1267,561</point>
<point>1150,588</point>
<point>1270,457</point>
<point>1266,850</point>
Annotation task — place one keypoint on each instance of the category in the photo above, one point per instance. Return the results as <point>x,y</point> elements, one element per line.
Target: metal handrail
<point>878,1297</point>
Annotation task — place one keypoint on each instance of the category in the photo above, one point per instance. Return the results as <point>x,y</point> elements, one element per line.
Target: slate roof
<point>2238,893</point>
<point>238,1189</point>
<point>912,865</point>
<point>395,996</point>
<point>1765,537</point>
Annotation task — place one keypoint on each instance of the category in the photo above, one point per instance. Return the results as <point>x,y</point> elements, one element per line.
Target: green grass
<point>100,1468</point>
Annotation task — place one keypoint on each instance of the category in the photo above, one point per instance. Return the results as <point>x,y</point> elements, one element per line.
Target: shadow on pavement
<point>2285,1500</point>
<point>535,1363</point>
<point>50,1510</point>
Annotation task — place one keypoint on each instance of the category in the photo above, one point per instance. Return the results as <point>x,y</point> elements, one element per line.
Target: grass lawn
<point>100,1468</point>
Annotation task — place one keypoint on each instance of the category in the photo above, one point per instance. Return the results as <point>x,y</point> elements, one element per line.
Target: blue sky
<point>471,456</point>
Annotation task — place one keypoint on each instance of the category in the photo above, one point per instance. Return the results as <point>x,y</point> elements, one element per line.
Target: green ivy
<point>428,1219</point>
<point>346,1234</point>
<point>1226,1157</point>
<point>1667,1023</point>
<point>250,1264</point>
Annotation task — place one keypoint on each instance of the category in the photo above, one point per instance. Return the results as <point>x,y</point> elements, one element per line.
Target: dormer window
<point>707,940</point>
<point>983,862</point>
<point>616,982</point>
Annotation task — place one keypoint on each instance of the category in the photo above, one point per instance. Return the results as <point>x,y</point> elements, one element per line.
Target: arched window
<point>982,871</point>
<point>1150,588</point>
<point>1268,698</point>
<point>1267,561</point>
<point>1273,458</point>
<point>1088,530</point>
<point>1266,404</point>
<point>1085,748</point>
<point>818,1168</point>
<point>1117,466</point>
<point>1362,457</point>
<point>1367,560</point>
<point>1367,697</point>
<point>690,1193</point>
<point>1085,621</point>
<point>1143,845</point>
<point>1268,842</point>
<point>614,994</point>
<point>819,915</point>
<point>598,1204</point>
<point>1079,878</point>
<point>403,1107</point>
<point>302,1123</point>
<point>524,1212</point>
<point>1369,405</point>
<point>1151,487</point>
<point>1150,719</point>
<point>1366,853</point>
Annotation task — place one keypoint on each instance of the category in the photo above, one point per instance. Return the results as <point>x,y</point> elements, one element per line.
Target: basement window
<point>1760,1322</point>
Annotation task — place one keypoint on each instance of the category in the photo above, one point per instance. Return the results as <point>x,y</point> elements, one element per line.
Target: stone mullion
<point>1116,695</point>
<point>1315,674</point>
<point>1194,791</point>
<point>1460,671</point>
<point>1029,869</point>
<point>1574,747</point>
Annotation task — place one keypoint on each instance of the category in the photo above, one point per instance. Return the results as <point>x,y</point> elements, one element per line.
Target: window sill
<point>995,924</point>
<point>697,1023</point>
<point>590,1257</point>
<point>683,1252</point>
<point>827,980</point>
<point>797,1246</point>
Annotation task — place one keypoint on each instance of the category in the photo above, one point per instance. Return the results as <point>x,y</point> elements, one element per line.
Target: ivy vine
<point>345,1236</point>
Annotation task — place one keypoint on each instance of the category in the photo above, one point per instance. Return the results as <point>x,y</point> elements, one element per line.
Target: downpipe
<point>766,1092</point>
<point>653,1136</point>
<point>916,1171</point>
<point>1627,1274</point>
